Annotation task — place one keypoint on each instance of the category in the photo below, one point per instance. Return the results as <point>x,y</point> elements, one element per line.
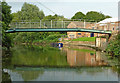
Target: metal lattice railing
<point>60,24</point>
<point>40,24</point>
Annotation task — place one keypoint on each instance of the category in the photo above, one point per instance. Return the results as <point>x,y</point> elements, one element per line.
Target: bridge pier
<point>101,43</point>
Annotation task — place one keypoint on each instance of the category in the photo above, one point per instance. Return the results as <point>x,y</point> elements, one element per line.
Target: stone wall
<point>101,43</point>
<point>85,43</point>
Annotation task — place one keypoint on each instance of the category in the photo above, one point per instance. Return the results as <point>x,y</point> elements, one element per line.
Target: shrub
<point>114,46</point>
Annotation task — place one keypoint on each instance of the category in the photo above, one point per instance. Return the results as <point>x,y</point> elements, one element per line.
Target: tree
<point>78,15</point>
<point>107,16</point>
<point>91,16</point>
<point>55,20</point>
<point>114,46</point>
<point>55,17</point>
<point>94,16</point>
<point>6,19</point>
<point>6,38</point>
<point>48,18</point>
<point>29,12</point>
<point>6,13</point>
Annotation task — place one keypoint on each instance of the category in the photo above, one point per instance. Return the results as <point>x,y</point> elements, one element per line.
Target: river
<point>69,63</point>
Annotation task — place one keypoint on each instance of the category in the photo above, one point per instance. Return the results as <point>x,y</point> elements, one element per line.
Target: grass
<point>85,39</point>
<point>84,50</point>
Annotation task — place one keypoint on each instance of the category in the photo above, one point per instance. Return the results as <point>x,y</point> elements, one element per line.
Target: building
<point>107,24</point>
<point>77,24</point>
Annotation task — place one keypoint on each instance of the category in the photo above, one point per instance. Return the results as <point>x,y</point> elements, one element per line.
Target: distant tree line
<point>91,16</point>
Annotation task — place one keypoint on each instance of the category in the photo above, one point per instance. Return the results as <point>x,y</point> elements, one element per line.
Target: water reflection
<point>29,75</point>
<point>84,56</point>
<point>70,63</point>
<point>49,56</point>
<point>42,56</point>
<point>63,74</point>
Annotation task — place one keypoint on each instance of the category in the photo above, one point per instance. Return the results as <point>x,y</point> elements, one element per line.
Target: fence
<point>64,24</point>
<point>48,24</point>
<point>40,24</point>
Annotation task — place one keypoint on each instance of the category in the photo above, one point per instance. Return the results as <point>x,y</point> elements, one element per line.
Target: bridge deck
<point>56,30</point>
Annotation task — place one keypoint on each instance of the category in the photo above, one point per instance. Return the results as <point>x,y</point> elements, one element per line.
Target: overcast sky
<point>68,8</point>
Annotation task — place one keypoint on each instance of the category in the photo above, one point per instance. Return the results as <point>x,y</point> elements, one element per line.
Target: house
<point>107,24</point>
<point>77,24</point>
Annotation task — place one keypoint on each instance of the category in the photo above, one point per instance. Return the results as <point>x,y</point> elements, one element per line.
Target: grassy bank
<point>85,39</point>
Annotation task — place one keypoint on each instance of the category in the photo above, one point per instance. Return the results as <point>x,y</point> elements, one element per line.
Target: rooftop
<point>109,20</point>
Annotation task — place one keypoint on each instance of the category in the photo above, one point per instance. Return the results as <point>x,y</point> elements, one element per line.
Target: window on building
<point>71,36</point>
<point>91,54</point>
<point>92,60</point>
<point>113,28</point>
<point>93,27</point>
<point>117,28</point>
<point>79,33</point>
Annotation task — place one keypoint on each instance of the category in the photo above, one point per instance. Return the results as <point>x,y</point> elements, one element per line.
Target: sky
<point>68,8</point>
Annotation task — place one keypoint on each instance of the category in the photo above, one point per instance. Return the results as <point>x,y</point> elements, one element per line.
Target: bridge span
<point>57,30</point>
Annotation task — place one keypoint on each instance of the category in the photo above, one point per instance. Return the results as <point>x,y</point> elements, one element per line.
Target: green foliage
<point>114,46</point>
<point>5,77</point>
<point>53,38</point>
<point>6,38</point>
<point>6,19</point>
<point>54,17</point>
<point>41,56</point>
<point>108,16</point>
<point>6,13</point>
<point>95,16</point>
<point>78,15</point>
<point>28,12</point>
<point>24,37</point>
<point>37,37</point>
<point>91,16</point>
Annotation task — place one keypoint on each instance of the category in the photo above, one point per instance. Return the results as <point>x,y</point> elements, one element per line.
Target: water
<point>70,63</point>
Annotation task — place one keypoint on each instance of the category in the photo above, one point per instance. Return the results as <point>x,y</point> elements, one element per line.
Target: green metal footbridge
<point>57,30</point>
<point>53,26</point>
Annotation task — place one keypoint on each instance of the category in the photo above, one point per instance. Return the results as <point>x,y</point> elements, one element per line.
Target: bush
<point>37,37</point>
<point>114,46</point>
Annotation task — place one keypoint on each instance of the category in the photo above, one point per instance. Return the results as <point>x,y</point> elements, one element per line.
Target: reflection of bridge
<point>55,26</point>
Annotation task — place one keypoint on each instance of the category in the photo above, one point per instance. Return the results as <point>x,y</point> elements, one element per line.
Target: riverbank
<point>90,44</point>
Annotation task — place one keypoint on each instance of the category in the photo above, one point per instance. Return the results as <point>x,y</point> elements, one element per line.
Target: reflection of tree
<point>6,59</point>
<point>29,75</point>
<point>5,77</point>
<point>116,69</point>
<point>33,56</point>
<point>90,70</point>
